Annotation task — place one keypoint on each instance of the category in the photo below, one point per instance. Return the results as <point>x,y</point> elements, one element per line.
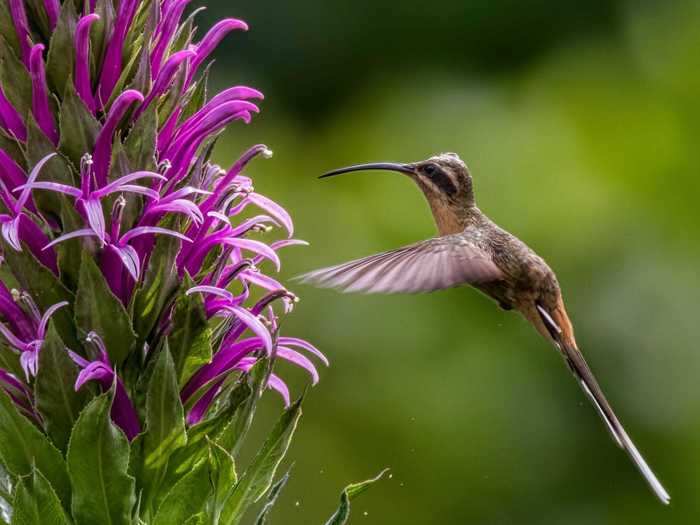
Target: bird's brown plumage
<point>472,249</point>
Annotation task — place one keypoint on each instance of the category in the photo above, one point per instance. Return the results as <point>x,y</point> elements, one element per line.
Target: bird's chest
<point>527,278</point>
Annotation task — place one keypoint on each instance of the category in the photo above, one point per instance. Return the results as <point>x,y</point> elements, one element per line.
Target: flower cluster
<point>139,322</point>
<point>106,153</point>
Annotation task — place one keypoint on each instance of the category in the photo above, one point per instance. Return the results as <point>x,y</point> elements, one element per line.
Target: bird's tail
<point>560,329</point>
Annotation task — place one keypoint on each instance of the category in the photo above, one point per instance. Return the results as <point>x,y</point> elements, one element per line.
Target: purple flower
<point>120,195</point>
<point>16,226</point>
<point>101,371</point>
<point>26,332</point>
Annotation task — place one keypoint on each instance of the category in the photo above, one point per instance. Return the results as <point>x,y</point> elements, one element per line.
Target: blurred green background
<point>580,122</point>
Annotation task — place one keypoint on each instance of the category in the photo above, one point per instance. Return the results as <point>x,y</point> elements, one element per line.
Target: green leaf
<point>190,340</point>
<point>9,360</point>
<point>79,128</point>
<point>56,398</point>
<point>197,96</point>
<point>45,289</point>
<point>36,503</point>
<point>70,251</point>
<point>57,169</point>
<point>258,477</point>
<point>16,83</point>
<point>197,519</point>
<point>212,429</point>
<point>173,97</point>
<point>272,496</point>
<point>141,81</point>
<point>12,147</point>
<point>140,145</point>
<point>100,32</point>
<point>165,427</point>
<point>7,27</point>
<point>233,435</point>
<point>98,458</point>
<point>23,446</point>
<point>60,58</point>
<point>160,281</point>
<point>340,517</point>
<point>187,498</point>
<point>223,477</point>
<point>97,309</point>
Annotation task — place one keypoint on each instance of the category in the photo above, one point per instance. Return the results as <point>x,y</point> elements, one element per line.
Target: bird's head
<point>445,181</point>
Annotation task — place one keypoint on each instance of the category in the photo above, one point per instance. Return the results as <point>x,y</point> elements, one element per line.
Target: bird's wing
<point>434,264</point>
<point>582,372</point>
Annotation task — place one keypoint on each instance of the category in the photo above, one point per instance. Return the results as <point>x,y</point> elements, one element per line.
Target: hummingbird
<point>471,249</point>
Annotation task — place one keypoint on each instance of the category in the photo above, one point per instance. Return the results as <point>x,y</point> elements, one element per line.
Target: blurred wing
<point>435,264</point>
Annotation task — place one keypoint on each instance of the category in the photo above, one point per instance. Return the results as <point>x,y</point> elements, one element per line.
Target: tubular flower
<point>112,211</point>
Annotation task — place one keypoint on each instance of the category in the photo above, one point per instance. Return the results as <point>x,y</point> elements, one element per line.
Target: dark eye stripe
<point>442,180</point>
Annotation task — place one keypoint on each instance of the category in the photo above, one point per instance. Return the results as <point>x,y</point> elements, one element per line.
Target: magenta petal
<point>165,77</point>
<point>224,360</point>
<point>12,338</point>
<point>78,359</point>
<point>10,232</point>
<point>124,414</point>
<point>82,82</point>
<point>29,361</point>
<point>200,408</point>
<point>212,39</point>
<point>14,315</point>
<point>95,217</point>
<point>129,258</point>
<point>275,383</point>
<point>26,191</point>
<point>112,63</point>
<point>35,239</point>
<point>123,411</point>
<point>165,31</point>
<point>183,206</point>
<point>262,280</point>
<point>231,174</point>
<point>214,290</point>
<point>52,8</point>
<point>103,144</point>
<point>13,382</point>
<point>85,232</point>
<point>298,359</point>
<point>40,94</point>
<point>300,343</point>
<point>95,371</point>
<point>254,246</point>
<point>274,209</point>
<point>121,181</point>
<point>10,119</point>
<point>146,230</point>
<point>254,324</point>
<point>242,228</point>
<point>51,186</point>
<point>41,331</point>
<point>19,18</point>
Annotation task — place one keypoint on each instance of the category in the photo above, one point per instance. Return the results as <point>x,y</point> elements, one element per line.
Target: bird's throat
<point>452,219</point>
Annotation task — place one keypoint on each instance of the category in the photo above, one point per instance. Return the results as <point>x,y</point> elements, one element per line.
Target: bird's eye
<point>431,169</point>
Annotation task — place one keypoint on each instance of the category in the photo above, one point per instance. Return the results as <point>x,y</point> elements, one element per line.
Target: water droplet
<point>297,503</point>
<point>391,476</point>
<point>366,513</point>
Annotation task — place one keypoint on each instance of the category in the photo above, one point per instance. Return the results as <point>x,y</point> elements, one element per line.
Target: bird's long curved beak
<point>386,166</point>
